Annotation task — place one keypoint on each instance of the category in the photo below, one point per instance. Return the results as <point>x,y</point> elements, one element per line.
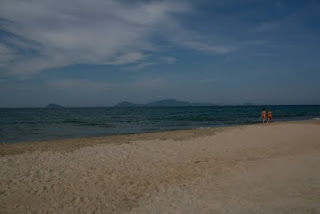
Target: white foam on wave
<point>317,118</point>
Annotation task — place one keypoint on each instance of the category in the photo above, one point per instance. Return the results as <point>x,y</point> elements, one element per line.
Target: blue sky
<point>100,52</point>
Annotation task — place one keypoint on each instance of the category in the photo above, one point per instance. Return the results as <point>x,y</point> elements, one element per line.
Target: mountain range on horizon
<point>163,103</point>
<point>159,103</point>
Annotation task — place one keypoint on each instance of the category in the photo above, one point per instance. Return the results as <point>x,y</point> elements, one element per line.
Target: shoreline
<point>73,143</point>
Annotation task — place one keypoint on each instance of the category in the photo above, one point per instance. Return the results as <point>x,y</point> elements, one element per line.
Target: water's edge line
<point>148,133</point>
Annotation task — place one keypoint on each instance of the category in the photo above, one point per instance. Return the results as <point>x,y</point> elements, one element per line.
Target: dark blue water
<point>20,125</point>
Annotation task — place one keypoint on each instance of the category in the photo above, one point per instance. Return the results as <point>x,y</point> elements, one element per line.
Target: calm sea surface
<point>34,124</point>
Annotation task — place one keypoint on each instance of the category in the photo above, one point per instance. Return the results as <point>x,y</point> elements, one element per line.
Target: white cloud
<point>141,65</point>
<point>65,32</point>
<point>215,49</point>
<point>145,64</point>
<point>68,32</point>
<point>129,58</point>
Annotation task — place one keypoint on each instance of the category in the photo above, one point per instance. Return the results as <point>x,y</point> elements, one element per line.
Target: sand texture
<point>272,168</point>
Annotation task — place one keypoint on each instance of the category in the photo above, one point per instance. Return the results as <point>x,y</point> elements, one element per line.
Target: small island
<point>163,103</point>
<point>54,106</point>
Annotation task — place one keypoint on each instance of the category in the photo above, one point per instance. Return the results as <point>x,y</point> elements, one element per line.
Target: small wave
<point>84,123</point>
<point>194,119</point>
<point>316,118</point>
<point>203,127</point>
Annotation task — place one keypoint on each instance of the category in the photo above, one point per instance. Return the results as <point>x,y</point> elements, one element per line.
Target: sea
<point>37,124</point>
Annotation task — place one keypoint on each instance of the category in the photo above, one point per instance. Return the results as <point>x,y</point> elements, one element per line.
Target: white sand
<point>247,169</point>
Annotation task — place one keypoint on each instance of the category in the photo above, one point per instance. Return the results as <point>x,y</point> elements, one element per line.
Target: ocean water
<point>35,124</point>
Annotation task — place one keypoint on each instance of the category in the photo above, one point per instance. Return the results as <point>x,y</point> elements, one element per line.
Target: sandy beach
<point>272,168</point>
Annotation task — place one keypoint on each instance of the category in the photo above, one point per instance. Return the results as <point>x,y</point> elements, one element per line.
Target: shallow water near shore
<point>35,124</point>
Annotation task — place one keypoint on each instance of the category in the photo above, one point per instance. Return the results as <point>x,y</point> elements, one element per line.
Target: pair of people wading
<point>264,115</point>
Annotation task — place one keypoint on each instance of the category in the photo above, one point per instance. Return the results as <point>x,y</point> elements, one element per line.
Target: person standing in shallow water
<point>269,116</point>
<point>263,115</point>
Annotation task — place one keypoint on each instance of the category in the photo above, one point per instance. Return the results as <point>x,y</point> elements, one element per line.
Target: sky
<point>101,52</point>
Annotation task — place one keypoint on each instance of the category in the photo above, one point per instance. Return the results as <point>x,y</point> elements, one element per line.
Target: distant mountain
<point>54,106</point>
<point>163,103</point>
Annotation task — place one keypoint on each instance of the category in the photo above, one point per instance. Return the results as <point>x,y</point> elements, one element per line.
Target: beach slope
<point>272,168</point>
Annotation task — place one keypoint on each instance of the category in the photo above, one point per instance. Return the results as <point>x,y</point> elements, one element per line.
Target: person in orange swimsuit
<point>263,115</point>
<point>269,116</point>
